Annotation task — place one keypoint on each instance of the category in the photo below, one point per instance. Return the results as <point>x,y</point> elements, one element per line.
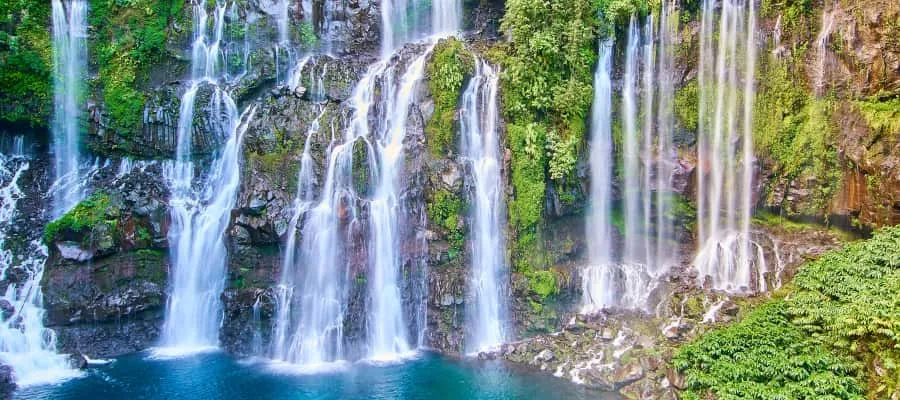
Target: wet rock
<point>6,309</point>
<point>77,361</point>
<point>7,382</point>
<point>544,356</point>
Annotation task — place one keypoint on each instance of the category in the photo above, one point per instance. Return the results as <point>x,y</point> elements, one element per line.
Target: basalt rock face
<point>313,117</point>
<point>104,284</point>
<point>858,69</point>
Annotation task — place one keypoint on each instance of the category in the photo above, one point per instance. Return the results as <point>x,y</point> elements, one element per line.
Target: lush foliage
<point>87,215</point>
<point>444,209</point>
<point>850,300</point>
<point>883,116</point>
<point>794,130</point>
<point>26,62</point>
<point>834,335</point>
<point>132,36</point>
<point>528,178</point>
<point>451,65</point>
<point>765,357</point>
<point>687,100</point>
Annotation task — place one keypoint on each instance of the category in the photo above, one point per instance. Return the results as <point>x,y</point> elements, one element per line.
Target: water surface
<point>218,376</point>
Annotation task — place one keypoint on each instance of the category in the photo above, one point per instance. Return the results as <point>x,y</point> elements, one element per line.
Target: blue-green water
<point>218,376</point>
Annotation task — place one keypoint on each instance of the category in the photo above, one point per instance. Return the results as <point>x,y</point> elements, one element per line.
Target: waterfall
<point>631,171</point>
<point>199,217</point>
<point>25,345</point>
<point>726,162</point>
<point>599,275</point>
<point>445,16</point>
<point>647,160</point>
<point>387,330</point>
<point>822,52</point>
<point>481,150</point>
<point>69,68</point>
<point>402,21</point>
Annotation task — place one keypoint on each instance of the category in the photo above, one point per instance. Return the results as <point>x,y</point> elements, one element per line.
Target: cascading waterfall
<point>632,190</point>
<point>69,67</point>
<point>387,329</point>
<point>647,168</point>
<point>25,345</point>
<point>445,16</point>
<point>598,277</point>
<point>821,52</point>
<point>480,149</point>
<point>726,162</point>
<point>199,217</point>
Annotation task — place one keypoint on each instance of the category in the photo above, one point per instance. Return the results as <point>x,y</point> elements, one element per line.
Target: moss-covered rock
<point>450,67</point>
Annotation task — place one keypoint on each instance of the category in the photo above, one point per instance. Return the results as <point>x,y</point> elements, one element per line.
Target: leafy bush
<point>882,115</point>
<point>444,209</point>
<point>835,335</point>
<point>765,357</point>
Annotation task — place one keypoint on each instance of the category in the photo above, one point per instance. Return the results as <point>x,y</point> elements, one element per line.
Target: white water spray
<point>726,162</point>
<point>481,149</point>
<point>69,69</point>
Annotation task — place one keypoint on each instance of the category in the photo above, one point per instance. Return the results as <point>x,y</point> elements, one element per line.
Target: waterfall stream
<point>69,73</point>
<point>599,275</point>
<point>25,345</point>
<point>200,215</point>
<point>647,166</point>
<point>728,257</point>
<point>481,150</point>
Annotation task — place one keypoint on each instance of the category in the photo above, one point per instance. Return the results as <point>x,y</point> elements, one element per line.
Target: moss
<point>87,215</point>
<point>450,67</point>
<point>529,186</point>
<point>882,115</point>
<point>542,283</point>
<point>687,100</point>
<point>26,62</point>
<point>795,132</point>
<point>275,160</point>
<point>444,209</point>
<point>131,37</point>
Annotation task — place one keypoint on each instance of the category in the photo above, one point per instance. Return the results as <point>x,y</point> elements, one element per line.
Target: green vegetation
<point>444,209</point>
<point>131,37</point>
<point>795,14</point>
<point>87,215</point>
<point>882,115</point>
<point>526,208</point>
<point>450,66</point>
<point>687,100</point>
<point>833,334</point>
<point>26,62</point>
<point>795,131</point>
<point>547,90</point>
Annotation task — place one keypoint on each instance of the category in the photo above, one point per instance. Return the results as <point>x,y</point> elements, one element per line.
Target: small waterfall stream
<point>599,275</point>
<point>200,215</point>
<point>69,73</point>
<point>25,345</point>
<point>481,150</point>
<point>728,257</point>
<point>647,166</point>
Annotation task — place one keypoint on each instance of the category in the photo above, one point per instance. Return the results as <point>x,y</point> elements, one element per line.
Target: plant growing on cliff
<point>444,209</point>
<point>450,66</point>
<point>131,37</point>
<point>25,62</point>
<point>794,130</point>
<point>87,215</point>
